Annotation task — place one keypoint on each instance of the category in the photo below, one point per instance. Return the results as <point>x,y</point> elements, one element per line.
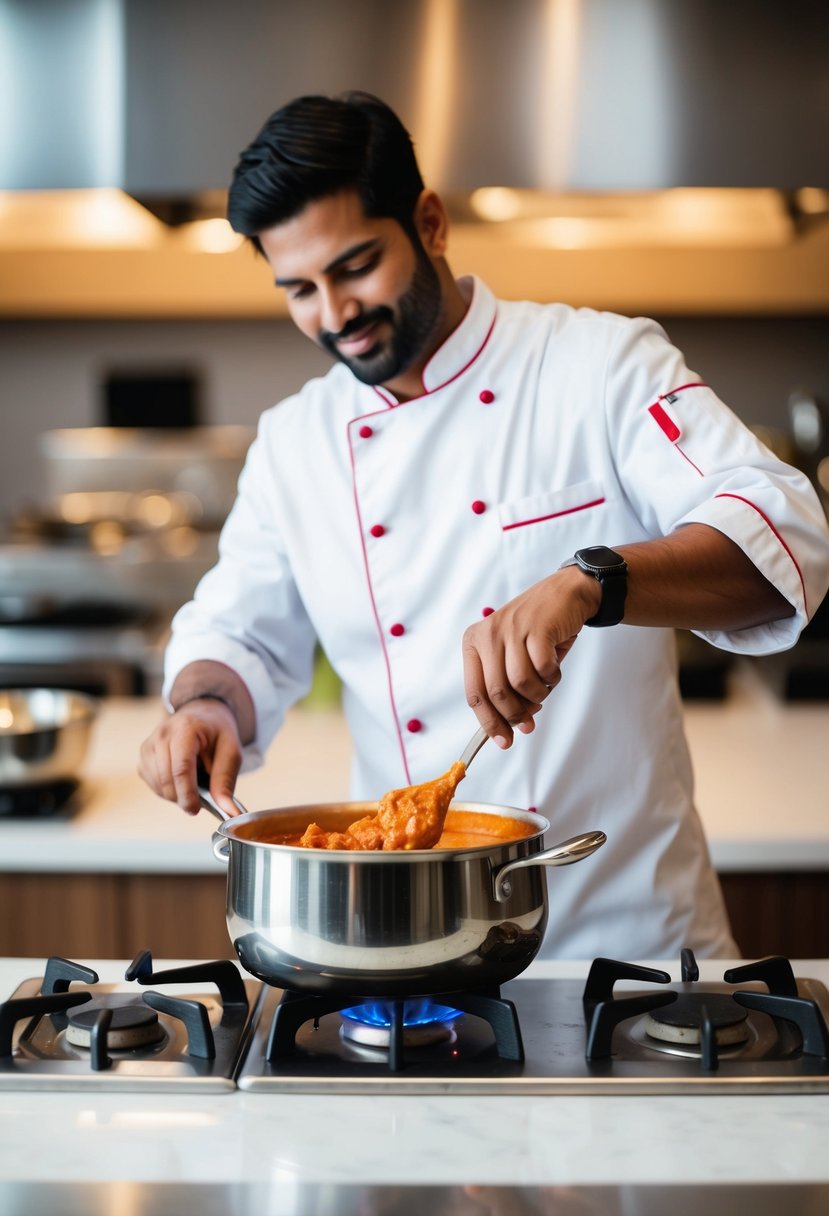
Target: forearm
<point>697,578</point>
<point>207,678</point>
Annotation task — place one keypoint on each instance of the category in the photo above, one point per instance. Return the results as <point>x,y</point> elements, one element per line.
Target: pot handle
<point>564,854</point>
<point>221,846</point>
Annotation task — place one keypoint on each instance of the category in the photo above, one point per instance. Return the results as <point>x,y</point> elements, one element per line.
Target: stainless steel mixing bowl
<point>44,735</point>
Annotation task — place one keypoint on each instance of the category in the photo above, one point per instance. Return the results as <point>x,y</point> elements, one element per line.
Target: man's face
<point>358,287</point>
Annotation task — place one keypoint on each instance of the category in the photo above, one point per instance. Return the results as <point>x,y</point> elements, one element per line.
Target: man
<point>419,511</point>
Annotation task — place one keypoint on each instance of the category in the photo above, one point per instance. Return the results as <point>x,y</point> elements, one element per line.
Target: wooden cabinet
<point>784,914</point>
<point>183,916</point>
<point>114,915</point>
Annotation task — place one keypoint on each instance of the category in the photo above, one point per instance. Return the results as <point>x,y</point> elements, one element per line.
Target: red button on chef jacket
<point>366,432</point>
<point>414,725</point>
<point>377,530</point>
<point>397,631</point>
<point>478,507</point>
<point>486,396</point>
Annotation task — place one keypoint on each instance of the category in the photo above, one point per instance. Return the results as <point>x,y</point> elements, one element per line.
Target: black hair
<point>317,146</point>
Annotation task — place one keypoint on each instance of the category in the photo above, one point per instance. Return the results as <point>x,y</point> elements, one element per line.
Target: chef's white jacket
<point>384,529</point>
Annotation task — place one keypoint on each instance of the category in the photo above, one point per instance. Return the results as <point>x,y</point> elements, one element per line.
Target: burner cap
<point>423,1035</point>
<point>132,1026</point>
<point>423,1024</point>
<point>680,1021</point>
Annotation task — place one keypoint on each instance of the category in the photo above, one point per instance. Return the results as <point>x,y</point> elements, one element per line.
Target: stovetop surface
<point>553,1028</point>
<point>233,1042</point>
<point>44,1058</point>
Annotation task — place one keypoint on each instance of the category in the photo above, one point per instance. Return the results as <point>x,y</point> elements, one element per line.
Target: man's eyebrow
<point>353,252</point>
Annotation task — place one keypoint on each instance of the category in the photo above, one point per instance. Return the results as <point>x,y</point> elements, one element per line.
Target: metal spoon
<point>206,799</point>
<point>473,747</point>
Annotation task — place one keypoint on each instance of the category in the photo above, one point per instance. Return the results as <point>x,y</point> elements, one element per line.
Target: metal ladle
<point>206,799</point>
<point>473,747</point>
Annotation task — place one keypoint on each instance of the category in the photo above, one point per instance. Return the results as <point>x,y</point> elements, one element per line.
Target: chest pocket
<point>540,531</point>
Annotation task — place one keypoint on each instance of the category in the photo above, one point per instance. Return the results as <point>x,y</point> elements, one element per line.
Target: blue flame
<point>419,1012</point>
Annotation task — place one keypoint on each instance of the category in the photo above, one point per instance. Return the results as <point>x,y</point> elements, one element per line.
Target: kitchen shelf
<point>168,279</point>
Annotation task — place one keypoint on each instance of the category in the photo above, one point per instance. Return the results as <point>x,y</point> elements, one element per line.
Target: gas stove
<point>67,1031</point>
<point>627,1029</point>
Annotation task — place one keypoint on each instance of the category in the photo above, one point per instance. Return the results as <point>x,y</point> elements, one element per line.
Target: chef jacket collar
<point>460,350</point>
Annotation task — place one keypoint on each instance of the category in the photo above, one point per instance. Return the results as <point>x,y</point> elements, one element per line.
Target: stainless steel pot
<point>385,924</point>
<point>44,735</point>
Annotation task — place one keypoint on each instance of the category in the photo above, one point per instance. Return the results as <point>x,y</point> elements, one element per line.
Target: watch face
<point>600,557</point>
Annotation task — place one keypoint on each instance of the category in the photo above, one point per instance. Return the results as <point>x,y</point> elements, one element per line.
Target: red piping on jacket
<point>374,606</point>
<point>427,392</point>
<point>360,418</point>
<point>682,388</point>
<point>522,523</point>
<point>775,533</point>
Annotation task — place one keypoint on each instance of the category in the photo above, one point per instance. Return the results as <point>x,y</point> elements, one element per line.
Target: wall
<point>52,370</point>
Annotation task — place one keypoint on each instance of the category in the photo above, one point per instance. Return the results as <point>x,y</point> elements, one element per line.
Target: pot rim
<point>375,856</point>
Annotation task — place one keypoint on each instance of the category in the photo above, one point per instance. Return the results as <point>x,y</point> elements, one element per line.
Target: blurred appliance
<point>90,578</point>
<point>166,398</point>
<point>703,669</point>
<point>200,464</point>
<point>802,673</point>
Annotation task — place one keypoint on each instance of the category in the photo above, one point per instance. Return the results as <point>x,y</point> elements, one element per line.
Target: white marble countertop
<point>762,774</point>
<point>289,1141</point>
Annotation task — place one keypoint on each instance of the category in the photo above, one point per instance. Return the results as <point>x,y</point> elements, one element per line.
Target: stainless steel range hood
<point>158,98</point>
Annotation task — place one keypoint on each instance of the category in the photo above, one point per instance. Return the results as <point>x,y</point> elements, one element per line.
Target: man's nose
<point>338,308</point>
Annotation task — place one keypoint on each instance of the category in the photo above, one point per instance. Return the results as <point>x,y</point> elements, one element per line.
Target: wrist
<point>584,590</point>
<point>607,571</point>
<point>206,696</point>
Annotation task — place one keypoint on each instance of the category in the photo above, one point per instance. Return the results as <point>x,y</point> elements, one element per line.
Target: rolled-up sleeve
<point>683,457</point>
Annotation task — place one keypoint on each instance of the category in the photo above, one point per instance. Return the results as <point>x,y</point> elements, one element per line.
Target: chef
<point>485,510</point>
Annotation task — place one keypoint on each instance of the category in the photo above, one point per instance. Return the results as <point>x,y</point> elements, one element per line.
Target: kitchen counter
<point>292,1154</point>
<point>762,773</point>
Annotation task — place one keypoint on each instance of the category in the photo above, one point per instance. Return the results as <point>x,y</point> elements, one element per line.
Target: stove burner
<point>423,1024</point>
<point>131,1026</point>
<point>382,1023</point>
<point>681,1021</point>
<point>799,1024</point>
<point>120,1039</point>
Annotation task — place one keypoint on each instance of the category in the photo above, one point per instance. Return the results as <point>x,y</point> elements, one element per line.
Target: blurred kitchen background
<point>658,157</point>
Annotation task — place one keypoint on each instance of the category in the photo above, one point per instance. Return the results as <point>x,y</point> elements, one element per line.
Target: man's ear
<point>432,223</point>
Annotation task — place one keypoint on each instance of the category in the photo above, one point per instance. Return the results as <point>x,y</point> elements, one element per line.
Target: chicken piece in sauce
<point>408,818</point>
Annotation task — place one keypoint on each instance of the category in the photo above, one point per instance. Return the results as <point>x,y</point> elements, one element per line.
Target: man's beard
<point>411,324</point>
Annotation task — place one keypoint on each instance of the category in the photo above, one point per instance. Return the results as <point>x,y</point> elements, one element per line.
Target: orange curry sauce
<point>408,818</point>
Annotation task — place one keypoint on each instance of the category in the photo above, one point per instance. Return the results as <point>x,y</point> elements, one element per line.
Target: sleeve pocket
<point>539,508</point>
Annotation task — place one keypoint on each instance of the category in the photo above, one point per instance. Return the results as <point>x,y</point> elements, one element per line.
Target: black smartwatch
<point>611,571</point>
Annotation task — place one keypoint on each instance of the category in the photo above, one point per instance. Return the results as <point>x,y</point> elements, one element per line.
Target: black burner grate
<point>295,1009</point>
<point>799,1021</point>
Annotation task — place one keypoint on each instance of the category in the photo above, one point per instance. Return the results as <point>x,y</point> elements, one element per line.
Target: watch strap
<point>609,570</point>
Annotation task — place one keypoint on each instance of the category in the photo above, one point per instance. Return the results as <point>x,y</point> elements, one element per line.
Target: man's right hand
<point>201,730</point>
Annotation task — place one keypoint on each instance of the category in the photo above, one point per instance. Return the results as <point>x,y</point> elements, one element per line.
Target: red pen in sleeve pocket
<point>664,421</point>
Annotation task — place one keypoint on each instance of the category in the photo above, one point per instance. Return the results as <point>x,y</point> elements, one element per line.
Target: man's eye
<point>299,293</point>
<point>354,272</point>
